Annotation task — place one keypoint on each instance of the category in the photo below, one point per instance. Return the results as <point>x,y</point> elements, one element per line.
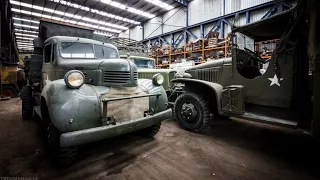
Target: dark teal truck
<point>86,93</point>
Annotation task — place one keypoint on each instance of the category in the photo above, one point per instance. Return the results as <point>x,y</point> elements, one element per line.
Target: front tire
<point>192,112</point>
<point>27,102</point>
<point>61,156</point>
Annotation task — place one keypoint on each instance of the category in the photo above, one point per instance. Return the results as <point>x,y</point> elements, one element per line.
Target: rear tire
<point>61,156</point>
<point>192,112</point>
<point>9,91</point>
<point>27,102</point>
<point>150,131</point>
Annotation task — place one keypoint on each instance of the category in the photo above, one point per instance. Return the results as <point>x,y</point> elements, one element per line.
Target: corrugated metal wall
<point>199,11</point>
<point>202,10</point>
<point>136,33</point>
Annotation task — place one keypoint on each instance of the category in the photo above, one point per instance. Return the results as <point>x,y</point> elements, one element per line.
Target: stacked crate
<point>166,50</point>
<point>212,39</point>
<point>197,45</point>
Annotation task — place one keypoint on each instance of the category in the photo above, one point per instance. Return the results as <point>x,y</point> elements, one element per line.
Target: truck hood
<point>146,70</point>
<point>212,63</point>
<point>94,64</point>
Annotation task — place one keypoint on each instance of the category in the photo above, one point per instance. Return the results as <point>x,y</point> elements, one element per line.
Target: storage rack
<point>187,52</point>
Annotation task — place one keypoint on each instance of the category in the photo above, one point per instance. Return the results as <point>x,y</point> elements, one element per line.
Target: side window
<point>54,53</point>
<point>47,53</point>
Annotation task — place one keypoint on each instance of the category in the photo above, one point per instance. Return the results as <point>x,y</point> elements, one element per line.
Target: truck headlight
<point>157,79</point>
<point>74,79</point>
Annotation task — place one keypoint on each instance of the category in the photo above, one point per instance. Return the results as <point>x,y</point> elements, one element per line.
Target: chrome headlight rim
<point>157,79</point>
<point>66,79</point>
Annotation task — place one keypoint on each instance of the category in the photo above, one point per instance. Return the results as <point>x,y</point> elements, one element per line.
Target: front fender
<point>214,87</point>
<point>72,109</point>
<point>157,103</point>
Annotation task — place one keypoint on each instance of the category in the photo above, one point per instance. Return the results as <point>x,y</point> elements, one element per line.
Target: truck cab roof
<point>78,39</point>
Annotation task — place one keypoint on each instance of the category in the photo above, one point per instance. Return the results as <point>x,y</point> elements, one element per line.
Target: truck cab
<point>86,93</point>
<point>277,91</point>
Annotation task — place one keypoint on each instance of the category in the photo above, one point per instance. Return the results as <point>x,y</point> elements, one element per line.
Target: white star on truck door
<point>275,80</point>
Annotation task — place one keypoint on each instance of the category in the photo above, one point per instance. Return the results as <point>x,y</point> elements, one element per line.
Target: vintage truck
<point>86,93</point>
<point>287,94</point>
<point>147,69</point>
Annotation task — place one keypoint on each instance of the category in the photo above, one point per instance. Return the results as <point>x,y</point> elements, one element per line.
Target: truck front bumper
<point>104,132</point>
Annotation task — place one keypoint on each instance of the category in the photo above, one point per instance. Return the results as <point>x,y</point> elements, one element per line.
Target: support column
<point>247,17</point>
<point>201,31</point>
<point>221,30</point>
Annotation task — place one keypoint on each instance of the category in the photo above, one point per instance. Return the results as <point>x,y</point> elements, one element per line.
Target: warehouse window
<point>47,53</point>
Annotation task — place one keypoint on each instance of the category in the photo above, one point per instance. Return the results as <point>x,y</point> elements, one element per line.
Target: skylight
<point>124,7</point>
<point>26,31</point>
<point>63,14</point>
<point>161,4</point>
<point>66,20</point>
<point>95,11</point>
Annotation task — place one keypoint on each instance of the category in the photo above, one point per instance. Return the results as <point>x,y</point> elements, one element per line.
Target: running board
<point>269,120</point>
<point>36,110</point>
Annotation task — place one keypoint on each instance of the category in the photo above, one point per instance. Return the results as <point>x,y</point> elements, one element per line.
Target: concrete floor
<point>232,149</point>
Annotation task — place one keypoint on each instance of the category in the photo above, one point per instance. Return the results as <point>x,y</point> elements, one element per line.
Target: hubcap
<point>189,112</point>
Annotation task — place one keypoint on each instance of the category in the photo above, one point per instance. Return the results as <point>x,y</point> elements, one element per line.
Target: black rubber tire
<point>27,103</point>
<point>150,131</point>
<point>61,157</point>
<point>14,91</point>
<point>200,104</point>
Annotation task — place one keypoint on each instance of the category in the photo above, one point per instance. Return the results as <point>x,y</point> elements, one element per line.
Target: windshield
<point>76,50</point>
<point>85,50</point>
<point>144,63</point>
<point>103,52</point>
<point>242,41</point>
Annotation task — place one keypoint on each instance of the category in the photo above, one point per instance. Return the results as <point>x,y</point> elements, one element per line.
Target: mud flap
<point>233,100</point>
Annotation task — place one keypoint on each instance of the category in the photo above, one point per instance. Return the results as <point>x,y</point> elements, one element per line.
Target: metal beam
<point>191,34</point>
<point>270,12</point>
<point>230,15</point>
<point>182,2</point>
<point>163,40</point>
<point>214,27</point>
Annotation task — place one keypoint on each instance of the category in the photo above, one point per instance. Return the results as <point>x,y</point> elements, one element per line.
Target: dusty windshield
<point>242,41</point>
<point>85,50</point>
<point>144,63</point>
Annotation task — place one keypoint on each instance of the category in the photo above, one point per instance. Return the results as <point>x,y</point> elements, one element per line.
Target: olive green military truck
<point>86,93</point>
<point>147,69</point>
<point>138,53</point>
<point>287,94</point>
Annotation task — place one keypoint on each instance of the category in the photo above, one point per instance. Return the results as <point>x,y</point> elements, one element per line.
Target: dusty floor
<point>232,149</point>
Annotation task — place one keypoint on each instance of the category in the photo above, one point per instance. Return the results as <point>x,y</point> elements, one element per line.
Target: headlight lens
<point>157,79</point>
<point>74,79</point>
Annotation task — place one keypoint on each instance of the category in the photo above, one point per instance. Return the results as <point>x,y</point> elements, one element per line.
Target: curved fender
<point>216,88</point>
<point>72,109</point>
<point>159,104</point>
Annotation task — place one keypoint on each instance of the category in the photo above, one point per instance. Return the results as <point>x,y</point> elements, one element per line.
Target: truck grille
<point>212,75</point>
<point>118,77</point>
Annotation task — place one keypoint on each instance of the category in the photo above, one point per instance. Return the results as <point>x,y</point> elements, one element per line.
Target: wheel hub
<point>188,112</point>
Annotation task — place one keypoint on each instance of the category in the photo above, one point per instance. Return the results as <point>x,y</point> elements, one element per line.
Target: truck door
<point>47,68</point>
